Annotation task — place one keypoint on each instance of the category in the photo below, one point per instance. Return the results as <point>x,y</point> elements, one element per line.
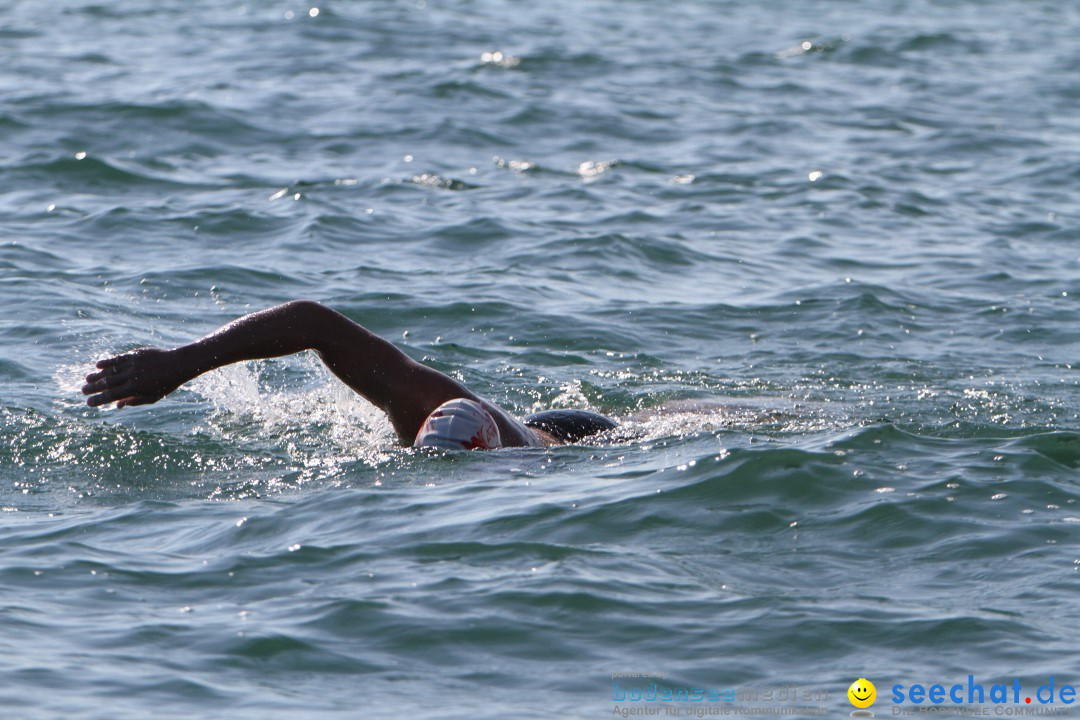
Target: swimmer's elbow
<point>313,314</point>
<point>326,329</point>
<point>311,324</point>
<point>305,308</point>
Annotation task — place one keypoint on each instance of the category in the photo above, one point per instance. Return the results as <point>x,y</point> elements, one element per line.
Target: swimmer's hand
<point>140,377</point>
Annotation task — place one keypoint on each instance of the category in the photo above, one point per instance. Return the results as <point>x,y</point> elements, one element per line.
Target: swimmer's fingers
<point>121,402</point>
<point>112,384</point>
<point>113,361</point>
<point>109,366</point>
<point>113,364</point>
<point>100,399</point>
<point>95,385</point>
<point>119,394</point>
<point>107,380</point>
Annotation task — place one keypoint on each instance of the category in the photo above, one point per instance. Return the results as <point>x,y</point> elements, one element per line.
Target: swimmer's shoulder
<point>546,439</point>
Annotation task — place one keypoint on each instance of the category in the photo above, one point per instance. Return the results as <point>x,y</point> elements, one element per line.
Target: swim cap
<point>459,424</point>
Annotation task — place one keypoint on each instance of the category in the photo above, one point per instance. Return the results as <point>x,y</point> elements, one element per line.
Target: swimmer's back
<point>570,426</point>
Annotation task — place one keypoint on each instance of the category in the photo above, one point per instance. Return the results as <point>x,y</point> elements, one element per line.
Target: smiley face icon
<point>862,693</point>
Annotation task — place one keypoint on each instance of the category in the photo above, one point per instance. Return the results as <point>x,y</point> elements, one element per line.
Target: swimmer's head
<point>459,425</point>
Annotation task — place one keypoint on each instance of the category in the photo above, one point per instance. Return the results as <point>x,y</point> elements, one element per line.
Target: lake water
<point>826,252</point>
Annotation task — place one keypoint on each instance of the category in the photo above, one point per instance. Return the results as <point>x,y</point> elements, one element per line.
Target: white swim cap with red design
<point>459,425</point>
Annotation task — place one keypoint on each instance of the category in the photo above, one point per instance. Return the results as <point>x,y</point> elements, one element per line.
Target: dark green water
<point>827,250</point>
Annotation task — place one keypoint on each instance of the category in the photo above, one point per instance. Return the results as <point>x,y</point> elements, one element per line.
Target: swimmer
<point>426,407</point>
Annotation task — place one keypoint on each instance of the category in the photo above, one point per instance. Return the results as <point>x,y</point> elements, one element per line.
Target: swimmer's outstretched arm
<point>392,381</point>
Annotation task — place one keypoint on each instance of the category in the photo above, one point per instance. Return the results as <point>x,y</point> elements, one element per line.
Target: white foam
<point>319,421</point>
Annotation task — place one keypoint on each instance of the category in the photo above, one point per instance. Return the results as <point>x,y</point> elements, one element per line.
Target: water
<point>832,244</point>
